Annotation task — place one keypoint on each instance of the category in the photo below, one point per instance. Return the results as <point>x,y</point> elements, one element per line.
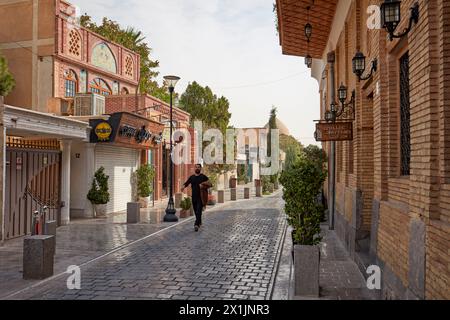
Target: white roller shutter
<point>119,164</point>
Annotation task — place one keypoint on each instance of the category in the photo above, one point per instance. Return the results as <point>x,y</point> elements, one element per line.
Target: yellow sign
<point>103,131</point>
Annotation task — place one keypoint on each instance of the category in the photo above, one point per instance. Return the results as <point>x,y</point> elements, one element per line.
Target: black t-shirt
<point>195,182</point>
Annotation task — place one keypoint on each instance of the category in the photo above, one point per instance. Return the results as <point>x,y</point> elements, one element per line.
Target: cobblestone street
<point>234,256</point>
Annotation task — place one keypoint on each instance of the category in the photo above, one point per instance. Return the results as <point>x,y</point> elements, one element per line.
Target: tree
<point>133,40</point>
<point>315,155</point>
<point>7,82</point>
<point>205,106</point>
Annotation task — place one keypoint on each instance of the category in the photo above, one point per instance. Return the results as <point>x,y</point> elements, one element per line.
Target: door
<point>32,183</point>
<point>120,164</point>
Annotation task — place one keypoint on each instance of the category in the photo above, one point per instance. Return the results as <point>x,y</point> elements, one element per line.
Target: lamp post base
<point>171,212</point>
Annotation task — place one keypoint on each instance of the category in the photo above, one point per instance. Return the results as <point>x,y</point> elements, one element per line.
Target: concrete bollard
<point>306,271</point>
<point>50,230</point>
<point>233,194</point>
<point>133,212</point>
<point>178,198</point>
<point>221,196</point>
<point>38,257</point>
<point>246,193</point>
<point>259,192</point>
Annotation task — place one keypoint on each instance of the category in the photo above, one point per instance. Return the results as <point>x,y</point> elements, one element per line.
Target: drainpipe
<point>332,183</point>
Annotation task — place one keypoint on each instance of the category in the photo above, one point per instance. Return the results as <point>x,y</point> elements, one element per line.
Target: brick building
<point>67,75</point>
<point>392,181</point>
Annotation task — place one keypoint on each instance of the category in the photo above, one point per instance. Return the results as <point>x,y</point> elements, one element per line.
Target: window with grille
<point>74,43</point>
<point>70,84</point>
<point>129,66</point>
<point>405,132</point>
<point>99,86</point>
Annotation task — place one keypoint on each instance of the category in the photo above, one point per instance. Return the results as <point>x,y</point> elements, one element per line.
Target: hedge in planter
<point>301,185</point>
<point>98,194</point>
<point>145,175</point>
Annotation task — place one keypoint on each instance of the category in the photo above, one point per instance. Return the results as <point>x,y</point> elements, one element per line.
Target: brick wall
<point>393,239</point>
<point>2,143</point>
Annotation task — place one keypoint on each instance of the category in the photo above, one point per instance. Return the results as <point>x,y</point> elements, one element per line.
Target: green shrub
<point>99,191</point>
<point>301,185</point>
<point>186,203</point>
<point>145,175</point>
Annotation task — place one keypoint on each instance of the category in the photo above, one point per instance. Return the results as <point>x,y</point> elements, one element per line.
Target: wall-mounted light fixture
<point>391,17</point>
<point>359,66</point>
<point>344,111</point>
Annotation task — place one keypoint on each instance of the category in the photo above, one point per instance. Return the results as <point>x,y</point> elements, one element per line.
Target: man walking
<point>197,182</point>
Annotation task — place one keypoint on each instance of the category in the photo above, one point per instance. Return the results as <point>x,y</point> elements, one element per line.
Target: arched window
<point>103,57</point>
<point>74,43</point>
<point>100,86</point>
<point>70,84</point>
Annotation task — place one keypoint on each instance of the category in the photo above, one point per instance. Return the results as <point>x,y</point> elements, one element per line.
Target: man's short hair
<point>198,164</point>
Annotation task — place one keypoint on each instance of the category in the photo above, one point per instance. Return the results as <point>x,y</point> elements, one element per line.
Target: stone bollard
<point>271,188</point>
<point>246,193</point>
<point>38,257</point>
<point>259,192</point>
<point>178,198</point>
<point>50,230</point>
<point>276,185</point>
<point>133,212</point>
<point>221,196</point>
<point>233,194</point>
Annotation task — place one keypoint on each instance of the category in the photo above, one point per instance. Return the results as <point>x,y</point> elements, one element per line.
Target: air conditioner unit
<point>89,104</point>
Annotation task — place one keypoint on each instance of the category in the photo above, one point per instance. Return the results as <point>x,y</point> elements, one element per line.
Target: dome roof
<point>282,127</point>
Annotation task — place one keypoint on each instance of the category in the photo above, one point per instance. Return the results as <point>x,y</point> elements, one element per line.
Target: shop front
<point>119,143</point>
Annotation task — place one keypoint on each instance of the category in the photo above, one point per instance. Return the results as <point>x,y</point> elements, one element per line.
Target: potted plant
<point>144,177</point>
<point>186,205</point>
<point>301,185</point>
<point>98,195</point>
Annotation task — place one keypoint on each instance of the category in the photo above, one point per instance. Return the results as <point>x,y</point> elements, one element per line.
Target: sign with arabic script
<point>337,131</point>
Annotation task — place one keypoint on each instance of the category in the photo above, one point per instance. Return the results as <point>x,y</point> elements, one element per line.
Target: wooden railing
<point>42,144</point>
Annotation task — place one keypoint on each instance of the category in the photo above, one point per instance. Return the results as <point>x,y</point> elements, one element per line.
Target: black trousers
<point>198,209</point>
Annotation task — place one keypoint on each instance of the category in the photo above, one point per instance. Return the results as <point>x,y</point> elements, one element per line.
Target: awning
<point>292,18</point>
<point>26,123</point>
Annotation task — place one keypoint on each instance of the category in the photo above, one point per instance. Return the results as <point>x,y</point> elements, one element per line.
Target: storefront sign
<point>103,131</point>
<point>128,130</point>
<point>338,131</point>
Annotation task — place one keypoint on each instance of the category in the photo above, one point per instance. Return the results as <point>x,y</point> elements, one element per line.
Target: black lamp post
<point>171,216</point>
<point>391,17</point>
<point>359,66</point>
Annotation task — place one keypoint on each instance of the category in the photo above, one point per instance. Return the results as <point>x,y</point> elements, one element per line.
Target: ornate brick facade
<point>400,222</point>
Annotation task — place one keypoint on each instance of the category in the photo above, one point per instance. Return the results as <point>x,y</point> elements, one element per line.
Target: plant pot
<point>144,202</point>
<point>100,210</point>
<point>184,214</point>
<point>306,271</point>
<point>211,200</point>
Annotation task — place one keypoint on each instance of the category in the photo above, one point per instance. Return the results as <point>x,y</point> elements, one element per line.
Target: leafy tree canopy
<point>204,105</point>
<point>7,82</point>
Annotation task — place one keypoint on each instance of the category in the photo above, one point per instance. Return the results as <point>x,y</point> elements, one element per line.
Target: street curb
<point>277,263</point>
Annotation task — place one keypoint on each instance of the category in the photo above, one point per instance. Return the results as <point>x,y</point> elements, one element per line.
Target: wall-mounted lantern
<point>391,17</point>
<point>308,61</point>
<point>344,111</point>
<point>359,66</point>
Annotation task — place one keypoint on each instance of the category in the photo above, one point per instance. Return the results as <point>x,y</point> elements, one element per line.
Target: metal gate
<point>33,173</point>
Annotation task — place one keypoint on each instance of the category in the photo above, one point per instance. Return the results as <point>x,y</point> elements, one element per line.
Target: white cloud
<point>224,44</point>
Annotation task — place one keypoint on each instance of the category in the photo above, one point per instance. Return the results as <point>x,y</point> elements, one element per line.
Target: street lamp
<point>171,216</point>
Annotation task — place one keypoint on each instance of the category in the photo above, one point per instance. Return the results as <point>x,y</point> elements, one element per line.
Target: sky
<point>230,45</point>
